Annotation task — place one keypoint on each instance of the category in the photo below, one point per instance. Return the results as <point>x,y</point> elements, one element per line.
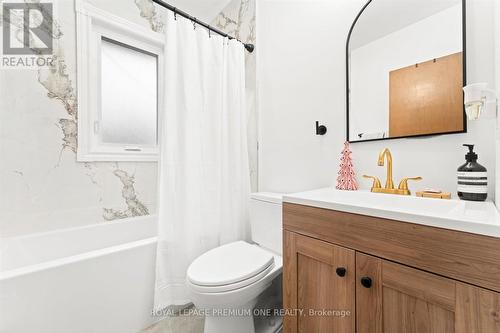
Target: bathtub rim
<point>37,248</point>
<point>102,224</point>
<point>44,266</point>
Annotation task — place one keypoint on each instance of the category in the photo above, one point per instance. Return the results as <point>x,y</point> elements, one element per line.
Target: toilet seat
<point>229,267</point>
<point>233,286</point>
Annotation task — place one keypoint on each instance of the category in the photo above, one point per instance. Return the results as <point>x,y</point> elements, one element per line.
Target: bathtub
<point>95,279</point>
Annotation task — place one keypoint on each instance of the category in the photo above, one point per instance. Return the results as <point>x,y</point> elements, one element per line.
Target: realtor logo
<point>27,35</point>
<point>27,28</point>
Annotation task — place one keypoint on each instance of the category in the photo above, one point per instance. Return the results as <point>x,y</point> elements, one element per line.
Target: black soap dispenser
<point>472,178</point>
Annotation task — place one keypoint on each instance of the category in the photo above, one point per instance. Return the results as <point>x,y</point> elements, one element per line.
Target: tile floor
<point>186,322</point>
<point>178,324</point>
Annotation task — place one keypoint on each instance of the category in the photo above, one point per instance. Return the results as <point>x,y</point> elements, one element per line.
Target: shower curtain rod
<point>249,47</point>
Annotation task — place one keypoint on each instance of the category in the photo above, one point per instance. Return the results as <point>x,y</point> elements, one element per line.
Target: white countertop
<point>480,218</point>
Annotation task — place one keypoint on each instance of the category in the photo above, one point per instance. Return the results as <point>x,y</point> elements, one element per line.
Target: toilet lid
<point>229,264</point>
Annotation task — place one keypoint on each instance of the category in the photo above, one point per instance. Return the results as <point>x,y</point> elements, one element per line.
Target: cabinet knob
<point>366,282</point>
<point>341,271</point>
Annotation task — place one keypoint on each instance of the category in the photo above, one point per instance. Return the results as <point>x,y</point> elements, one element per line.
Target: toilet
<point>225,282</point>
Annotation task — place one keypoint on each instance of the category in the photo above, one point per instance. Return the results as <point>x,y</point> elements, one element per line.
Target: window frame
<point>94,25</point>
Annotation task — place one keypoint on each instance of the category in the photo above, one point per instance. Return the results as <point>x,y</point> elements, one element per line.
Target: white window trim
<point>93,24</point>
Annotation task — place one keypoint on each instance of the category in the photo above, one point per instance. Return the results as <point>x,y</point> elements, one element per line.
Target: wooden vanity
<point>391,276</point>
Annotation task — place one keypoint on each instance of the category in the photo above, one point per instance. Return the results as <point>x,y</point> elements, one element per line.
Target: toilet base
<point>231,319</point>
<point>240,324</point>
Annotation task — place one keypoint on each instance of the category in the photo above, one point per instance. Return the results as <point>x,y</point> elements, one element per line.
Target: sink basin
<point>383,201</point>
<point>474,217</point>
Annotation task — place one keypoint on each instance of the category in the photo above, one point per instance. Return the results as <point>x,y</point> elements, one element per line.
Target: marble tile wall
<point>42,186</point>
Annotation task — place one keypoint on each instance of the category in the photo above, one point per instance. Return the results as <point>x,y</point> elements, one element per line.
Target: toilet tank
<point>266,220</point>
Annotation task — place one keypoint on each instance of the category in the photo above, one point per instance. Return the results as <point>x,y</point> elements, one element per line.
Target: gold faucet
<point>389,183</point>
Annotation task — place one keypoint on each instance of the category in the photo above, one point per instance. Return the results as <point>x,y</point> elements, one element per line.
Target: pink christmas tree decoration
<point>347,179</point>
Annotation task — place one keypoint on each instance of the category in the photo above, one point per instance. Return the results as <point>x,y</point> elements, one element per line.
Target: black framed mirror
<point>406,67</point>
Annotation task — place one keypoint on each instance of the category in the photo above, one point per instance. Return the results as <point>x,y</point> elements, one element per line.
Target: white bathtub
<point>95,279</point>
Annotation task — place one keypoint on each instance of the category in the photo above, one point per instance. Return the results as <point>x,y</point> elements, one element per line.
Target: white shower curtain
<point>204,171</point>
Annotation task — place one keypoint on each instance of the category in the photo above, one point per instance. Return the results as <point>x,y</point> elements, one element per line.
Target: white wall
<point>301,78</point>
<point>497,82</point>
<point>441,34</point>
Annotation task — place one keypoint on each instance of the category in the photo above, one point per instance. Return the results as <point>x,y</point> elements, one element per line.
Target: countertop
<point>480,218</point>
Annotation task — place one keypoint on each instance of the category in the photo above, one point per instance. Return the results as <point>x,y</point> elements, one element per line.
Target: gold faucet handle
<point>376,181</point>
<point>403,185</point>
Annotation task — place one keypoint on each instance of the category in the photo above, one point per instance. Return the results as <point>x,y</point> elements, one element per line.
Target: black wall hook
<point>320,129</point>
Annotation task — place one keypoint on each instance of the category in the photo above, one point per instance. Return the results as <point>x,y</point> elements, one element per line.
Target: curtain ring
<point>194,23</point>
<point>175,13</point>
<point>209,32</point>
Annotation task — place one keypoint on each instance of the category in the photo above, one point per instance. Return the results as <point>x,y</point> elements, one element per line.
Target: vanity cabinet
<point>402,299</point>
<point>318,276</point>
<point>351,273</point>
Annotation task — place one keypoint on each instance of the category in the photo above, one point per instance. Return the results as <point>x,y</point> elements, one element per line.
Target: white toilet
<point>226,281</point>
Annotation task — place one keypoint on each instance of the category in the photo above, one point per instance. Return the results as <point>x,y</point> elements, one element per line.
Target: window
<point>119,88</point>
<point>129,95</point>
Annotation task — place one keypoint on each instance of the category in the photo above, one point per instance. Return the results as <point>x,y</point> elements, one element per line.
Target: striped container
<point>472,178</point>
<point>473,185</point>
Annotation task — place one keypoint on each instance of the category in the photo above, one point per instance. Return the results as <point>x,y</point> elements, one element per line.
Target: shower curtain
<point>204,169</point>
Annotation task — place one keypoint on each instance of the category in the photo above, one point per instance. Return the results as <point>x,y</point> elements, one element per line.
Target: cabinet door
<point>392,298</point>
<point>478,310</point>
<point>319,286</point>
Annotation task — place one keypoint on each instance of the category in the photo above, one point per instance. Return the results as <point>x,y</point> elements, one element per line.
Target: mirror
<point>406,70</point>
